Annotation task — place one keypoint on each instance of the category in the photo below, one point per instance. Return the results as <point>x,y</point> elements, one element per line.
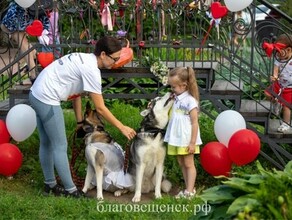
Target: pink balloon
<point>4,134</point>
<point>10,159</point>
<point>215,159</point>
<point>244,147</point>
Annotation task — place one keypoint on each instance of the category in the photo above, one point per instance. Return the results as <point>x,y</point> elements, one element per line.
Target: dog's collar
<point>152,131</point>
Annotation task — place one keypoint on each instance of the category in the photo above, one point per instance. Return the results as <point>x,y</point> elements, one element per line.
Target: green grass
<point>21,197</point>
<point>21,201</point>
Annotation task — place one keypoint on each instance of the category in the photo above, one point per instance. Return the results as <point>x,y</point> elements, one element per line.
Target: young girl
<point>282,79</point>
<point>183,133</point>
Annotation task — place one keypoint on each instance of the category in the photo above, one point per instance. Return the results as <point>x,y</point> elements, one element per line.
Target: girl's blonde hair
<point>187,75</point>
<point>285,39</point>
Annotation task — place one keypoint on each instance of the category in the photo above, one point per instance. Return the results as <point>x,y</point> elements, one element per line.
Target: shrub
<point>265,195</point>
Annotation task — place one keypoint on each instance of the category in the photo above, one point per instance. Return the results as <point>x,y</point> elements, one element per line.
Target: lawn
<point>21,196</point>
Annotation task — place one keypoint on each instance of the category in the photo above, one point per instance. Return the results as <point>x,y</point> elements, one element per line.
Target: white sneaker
<point>180,195</point>
<point>186,194</point>
<point>283,127</point>
<point>190,195</point>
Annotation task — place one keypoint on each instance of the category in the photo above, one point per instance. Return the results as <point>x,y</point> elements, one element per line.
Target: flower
<point>158,68</point>
<point>121,33</point>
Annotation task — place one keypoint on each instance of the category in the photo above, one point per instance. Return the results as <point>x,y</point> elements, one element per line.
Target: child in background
<point>53,35</point>
<point>183,133</point>
<point>282,79</point>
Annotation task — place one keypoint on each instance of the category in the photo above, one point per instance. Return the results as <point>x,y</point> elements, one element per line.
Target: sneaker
<point>283,127</point>
<point>189,195</point>
<point>57,190</point>
<point>186,194</point>
<point>180,195</point>
<point>75,194</point>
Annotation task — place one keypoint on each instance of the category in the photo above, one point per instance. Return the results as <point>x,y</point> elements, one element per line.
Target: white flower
<point>160,70</point>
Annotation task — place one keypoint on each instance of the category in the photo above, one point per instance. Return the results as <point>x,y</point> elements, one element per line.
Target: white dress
<point>113,173</point>
<point>178,132</point>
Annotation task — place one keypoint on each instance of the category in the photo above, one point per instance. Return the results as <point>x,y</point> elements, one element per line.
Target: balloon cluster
<point>235,144</point>
<point>20,124</point>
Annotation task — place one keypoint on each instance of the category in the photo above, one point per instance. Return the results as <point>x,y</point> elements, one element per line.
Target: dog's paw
<point>136,199</point>
<point>158,195</point>
<point>99,198</point>
<point>120,192</point>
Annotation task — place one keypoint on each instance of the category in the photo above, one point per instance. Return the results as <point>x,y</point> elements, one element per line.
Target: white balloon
<point>235,5</point>
<point>226,124</point>
<point>25,3</point>
<point>21,122</point>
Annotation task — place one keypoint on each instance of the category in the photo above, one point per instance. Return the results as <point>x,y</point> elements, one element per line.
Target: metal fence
<point>175,32</point>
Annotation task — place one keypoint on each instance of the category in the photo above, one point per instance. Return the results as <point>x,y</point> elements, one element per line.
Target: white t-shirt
<point>179,128</point>
<point>68,77</point>
<point>285,73</point>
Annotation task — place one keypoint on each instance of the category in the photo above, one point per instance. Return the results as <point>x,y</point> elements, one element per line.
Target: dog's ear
<point>145,112</point>
<point>88,107</point>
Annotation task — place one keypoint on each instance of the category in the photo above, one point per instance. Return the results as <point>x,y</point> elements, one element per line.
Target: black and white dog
<point>147,152</point>
<point>106,159</point>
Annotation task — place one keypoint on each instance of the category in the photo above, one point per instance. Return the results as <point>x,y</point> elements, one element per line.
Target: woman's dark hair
<point>107,44</point>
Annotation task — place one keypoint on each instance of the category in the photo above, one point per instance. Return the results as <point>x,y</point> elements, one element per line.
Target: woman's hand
<point>128,132</point>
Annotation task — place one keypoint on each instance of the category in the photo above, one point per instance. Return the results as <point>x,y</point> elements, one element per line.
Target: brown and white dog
<point>106,159</point>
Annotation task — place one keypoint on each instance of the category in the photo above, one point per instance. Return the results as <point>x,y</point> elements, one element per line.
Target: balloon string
<point>205,37</point>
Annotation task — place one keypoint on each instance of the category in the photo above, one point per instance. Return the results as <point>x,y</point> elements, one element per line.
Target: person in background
<point>282,80</point>
<point>239,26</point>
<point>53,35</point>
<point>14,23</point>
<point>66,79</point>
<point>183,133</point>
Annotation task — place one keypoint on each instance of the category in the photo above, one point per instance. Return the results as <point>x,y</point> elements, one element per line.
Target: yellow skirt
<point>173,150</point>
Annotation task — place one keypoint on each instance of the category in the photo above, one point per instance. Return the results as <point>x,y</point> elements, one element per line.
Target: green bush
<point>264,195</point>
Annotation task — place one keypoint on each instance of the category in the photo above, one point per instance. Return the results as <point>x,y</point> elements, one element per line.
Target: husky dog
<point>147,152</point>
<point>106,159</point>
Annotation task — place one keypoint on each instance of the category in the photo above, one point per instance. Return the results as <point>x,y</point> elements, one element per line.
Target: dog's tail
<point>166,185</point>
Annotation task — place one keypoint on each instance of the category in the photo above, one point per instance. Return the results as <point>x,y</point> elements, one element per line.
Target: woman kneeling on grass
<point>65,79</point>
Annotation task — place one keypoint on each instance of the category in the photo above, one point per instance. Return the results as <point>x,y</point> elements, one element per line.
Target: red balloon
<point>10,159</point>
<point>215,159</point>
<point>244,147</point>
<point>4,133</point>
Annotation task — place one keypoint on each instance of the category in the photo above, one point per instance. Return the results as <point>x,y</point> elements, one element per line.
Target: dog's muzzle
<point>171,97</point>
